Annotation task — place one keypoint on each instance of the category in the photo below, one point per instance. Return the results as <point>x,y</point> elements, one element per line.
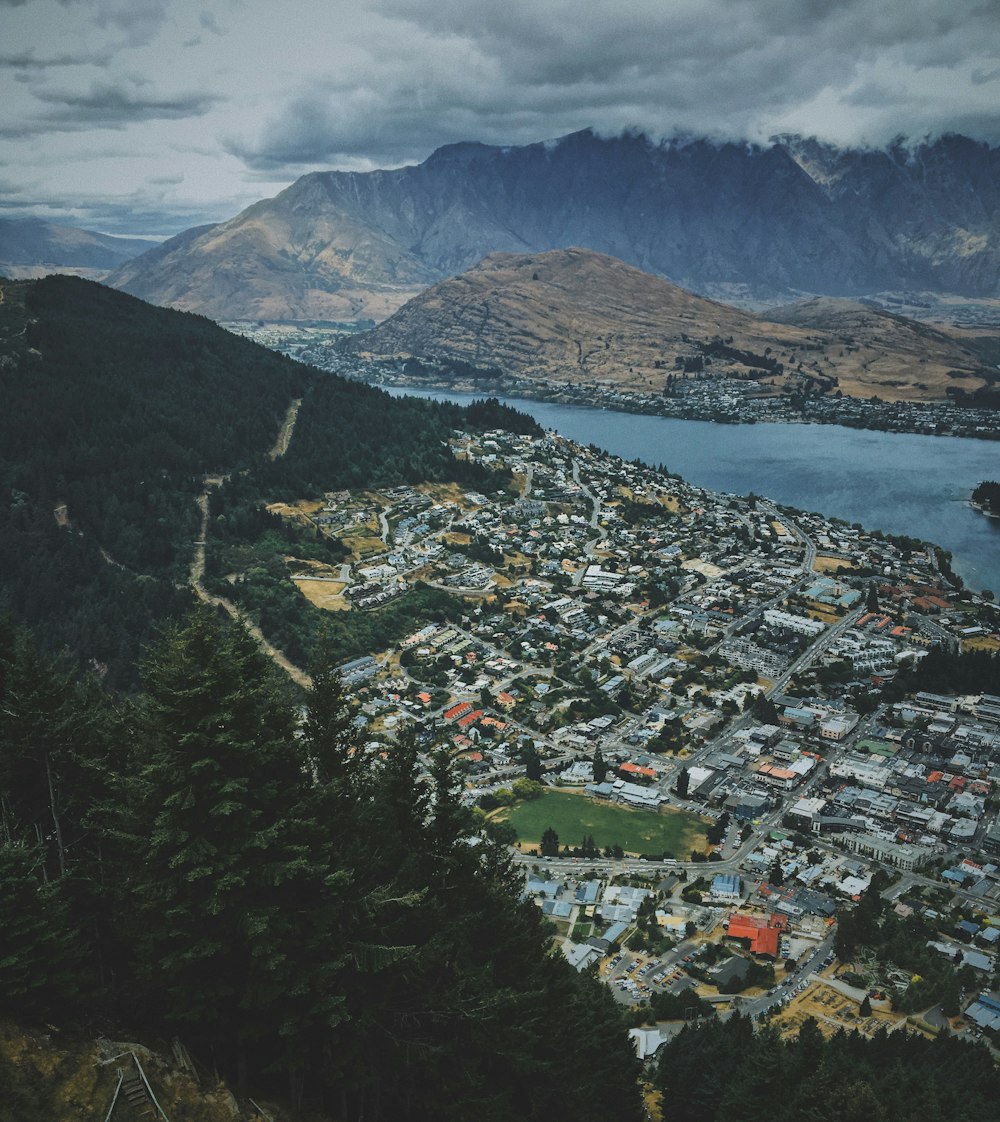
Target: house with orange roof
<point>470,719</point>
<point>457,711</point>
<point>637,773</point>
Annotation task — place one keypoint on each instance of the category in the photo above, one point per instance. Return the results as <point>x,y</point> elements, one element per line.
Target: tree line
<point>717,1070</point>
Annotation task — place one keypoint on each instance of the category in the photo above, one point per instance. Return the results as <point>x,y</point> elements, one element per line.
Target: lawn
<point>574,816</point>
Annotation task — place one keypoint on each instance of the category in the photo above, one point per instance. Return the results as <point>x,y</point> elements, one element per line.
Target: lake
<point>900,483</point>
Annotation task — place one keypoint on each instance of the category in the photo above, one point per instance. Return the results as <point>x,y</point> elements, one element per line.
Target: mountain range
<point>771,221</point>
<point>31,247</point>
<point>575,316</point>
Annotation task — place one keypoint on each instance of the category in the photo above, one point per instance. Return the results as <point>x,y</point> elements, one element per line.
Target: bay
<point>900,483</point>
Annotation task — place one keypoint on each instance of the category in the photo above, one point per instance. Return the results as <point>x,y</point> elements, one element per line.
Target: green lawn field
<point>574,816</point>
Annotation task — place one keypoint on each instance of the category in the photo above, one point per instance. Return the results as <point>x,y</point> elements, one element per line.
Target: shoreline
<point>917,418</point>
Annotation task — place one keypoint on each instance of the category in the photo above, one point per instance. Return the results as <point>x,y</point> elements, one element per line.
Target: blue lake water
<point>900,483</point>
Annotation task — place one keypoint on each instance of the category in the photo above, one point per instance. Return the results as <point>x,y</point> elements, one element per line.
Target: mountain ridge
<point>793,216</point>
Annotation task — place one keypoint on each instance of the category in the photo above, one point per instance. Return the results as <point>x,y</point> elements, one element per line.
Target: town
<point>706,726</point>
<point>712,393</point>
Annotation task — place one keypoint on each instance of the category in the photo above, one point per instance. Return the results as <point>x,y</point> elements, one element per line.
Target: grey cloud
<point>28,60</point>
<point>138,20</point>
<point>525,70</point>
<point>207,21</point>
<point>146,212</point>
<point>981,77</point>
<point>117,104</point>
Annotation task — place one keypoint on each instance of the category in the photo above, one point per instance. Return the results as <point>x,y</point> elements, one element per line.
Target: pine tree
<point>532,762</point>
<point>217,869</point>
<point>41,952</point>
<point>45,731</point>
<point>600,766</point>
<point>327,732</point>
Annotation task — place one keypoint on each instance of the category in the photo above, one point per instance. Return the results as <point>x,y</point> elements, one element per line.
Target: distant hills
<point>33,247</point>
<point>578,317</point>
<point>725,219</point>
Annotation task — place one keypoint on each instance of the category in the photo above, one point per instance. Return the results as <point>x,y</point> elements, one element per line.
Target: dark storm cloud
<point>525,69</point>
<point>107,105</point>
<point>29,60</point>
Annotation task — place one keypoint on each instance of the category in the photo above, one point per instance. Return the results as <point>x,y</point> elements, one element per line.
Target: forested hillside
<point>309,919</point>
<point>113,412</point>
<point>720,1070</point>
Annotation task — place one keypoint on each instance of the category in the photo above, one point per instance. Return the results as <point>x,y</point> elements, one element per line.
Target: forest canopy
<point>305,915</point>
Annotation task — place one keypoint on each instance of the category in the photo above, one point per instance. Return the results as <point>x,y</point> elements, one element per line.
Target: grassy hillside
<point>574,317</point>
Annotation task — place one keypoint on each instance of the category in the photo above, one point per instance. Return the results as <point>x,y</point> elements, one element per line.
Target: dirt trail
<point>196,577</point>
<point>287,428</point>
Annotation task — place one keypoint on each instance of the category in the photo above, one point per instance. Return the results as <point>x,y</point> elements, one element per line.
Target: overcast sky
<point>149,116</point>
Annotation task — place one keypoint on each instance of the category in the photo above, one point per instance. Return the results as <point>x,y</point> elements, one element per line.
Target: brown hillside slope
<point>299,256</point>
<point>881,348</point>
<point>578,316</point>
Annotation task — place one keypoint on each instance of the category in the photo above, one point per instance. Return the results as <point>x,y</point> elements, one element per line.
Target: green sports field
<point>574,816</point>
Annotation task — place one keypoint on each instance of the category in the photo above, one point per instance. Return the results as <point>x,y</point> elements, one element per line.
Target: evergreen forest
<point>309,918</point>
<point>191,848</point>
<point>718,1070</point>
<point>987,496</point>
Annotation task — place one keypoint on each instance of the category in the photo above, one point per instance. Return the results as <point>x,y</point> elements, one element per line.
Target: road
<point>810,964</point>
<point>528,480</point>
<point>590,548</point>
<point>823,642</point>
<point>809,561</point>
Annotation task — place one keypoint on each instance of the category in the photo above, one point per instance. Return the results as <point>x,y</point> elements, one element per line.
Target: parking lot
<point>634,977</point>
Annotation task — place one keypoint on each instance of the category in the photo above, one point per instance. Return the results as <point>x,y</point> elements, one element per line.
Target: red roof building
<point>470,718</point>
<point>761,934</point>
<point>457,711</point>
<point>634,771</point>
